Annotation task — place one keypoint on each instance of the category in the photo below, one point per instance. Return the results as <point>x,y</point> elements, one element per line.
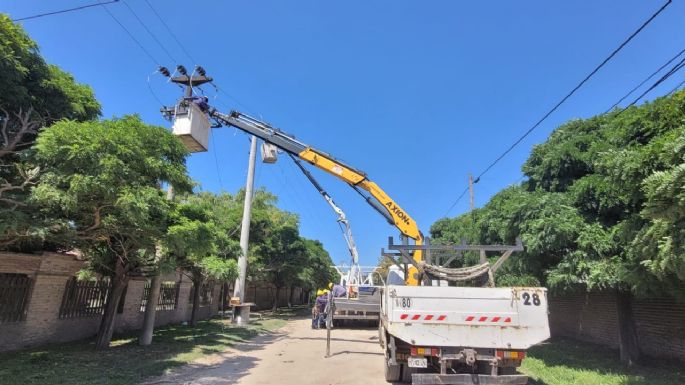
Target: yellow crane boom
<point>358,180</point>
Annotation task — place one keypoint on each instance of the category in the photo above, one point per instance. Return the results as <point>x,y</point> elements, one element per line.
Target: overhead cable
<point>645,81</point>
<point>131,36</point>
<point>173,35</point>
<point>676,88</point>
<point>149,32</point>
<point>63,11</point>
<point>667,75</point>
<point>573,91</point>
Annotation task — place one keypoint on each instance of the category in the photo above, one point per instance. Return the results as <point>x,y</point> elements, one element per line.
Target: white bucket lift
<point>192,125</point>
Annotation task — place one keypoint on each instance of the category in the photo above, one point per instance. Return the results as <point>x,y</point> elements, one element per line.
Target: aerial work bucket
<point>191,125</point>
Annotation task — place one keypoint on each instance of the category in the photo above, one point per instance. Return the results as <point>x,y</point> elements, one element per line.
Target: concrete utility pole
<point>239,290</point>
<point>241,309</point>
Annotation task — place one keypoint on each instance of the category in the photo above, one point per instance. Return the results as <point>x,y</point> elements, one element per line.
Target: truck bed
<point>509,318</point>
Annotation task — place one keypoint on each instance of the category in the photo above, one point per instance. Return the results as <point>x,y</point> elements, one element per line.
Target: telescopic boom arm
<point>341,214</point>
<point>358,180</point>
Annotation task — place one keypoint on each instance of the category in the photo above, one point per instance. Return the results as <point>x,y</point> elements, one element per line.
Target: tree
<point>282,254</point>
<point>602,209</point>
<point>28,82</point>
<point>317,270</point>
<point>100,183</point>
<point>200,244</point>
<point>34,95</point>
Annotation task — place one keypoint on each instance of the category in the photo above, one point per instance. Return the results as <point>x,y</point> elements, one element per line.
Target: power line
<point>185,51</point>
<point>149,32</point>
<point>456,201</point>
<point>645,81</point>
<point>64,11</point>
<point>676,88</point>
<point>216,161</point>
<point>131,35</point>
<point>668,74</point>
<point>573,91</point>
<point>173,35</point>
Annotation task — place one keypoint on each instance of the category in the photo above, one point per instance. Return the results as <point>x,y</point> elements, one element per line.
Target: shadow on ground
<point>218,369</point>
<point>126,362</point>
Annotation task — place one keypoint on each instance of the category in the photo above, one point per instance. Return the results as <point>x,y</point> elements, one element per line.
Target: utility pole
<point>239,290</point>
<point>471,191</point>
<point>241,309</point>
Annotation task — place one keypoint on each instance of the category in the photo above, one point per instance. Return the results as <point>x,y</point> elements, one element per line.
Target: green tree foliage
<point>100,184</point>
<point>27,81</point>
<point>318,270</point>
<point>34,94</point>
<point>200,243</point>
<point>603,206</point>
<point>282,255</point>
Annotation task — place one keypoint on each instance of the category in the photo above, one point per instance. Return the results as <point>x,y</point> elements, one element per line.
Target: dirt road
<point>294,355</point>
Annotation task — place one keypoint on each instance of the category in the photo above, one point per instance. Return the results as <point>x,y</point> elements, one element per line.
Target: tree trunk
<point>290,296</point>
<point>150,311</point>
<point>275,303</point>
<point>223,297</point>
<point>197,282</point>
<point>119,282</point>
<point>627,334</point>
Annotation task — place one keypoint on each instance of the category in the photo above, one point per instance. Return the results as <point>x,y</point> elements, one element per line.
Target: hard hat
<point>326,291</point>
<point>330,285</point>
<point>319,292</point>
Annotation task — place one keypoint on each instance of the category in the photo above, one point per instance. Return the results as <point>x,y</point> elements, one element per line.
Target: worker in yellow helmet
<point>337,290</point>
<point>317,311</point>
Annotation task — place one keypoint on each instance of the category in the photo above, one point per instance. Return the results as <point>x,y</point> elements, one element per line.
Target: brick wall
<point>50,273</point>
<point>592,317</point>
<point>262,295</point>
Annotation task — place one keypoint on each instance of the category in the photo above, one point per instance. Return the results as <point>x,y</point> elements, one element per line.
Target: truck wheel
<point>392,372</point>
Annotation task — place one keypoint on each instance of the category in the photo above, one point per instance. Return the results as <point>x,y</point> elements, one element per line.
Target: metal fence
<point>168,296</point>
<point>15,291</point>
<point>84,298</point>
<point>206,293</point>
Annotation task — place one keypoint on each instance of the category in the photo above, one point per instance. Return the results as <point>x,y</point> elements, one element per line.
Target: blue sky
<point>415,93</point>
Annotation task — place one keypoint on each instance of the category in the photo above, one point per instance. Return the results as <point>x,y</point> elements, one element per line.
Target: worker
<point>321,302</point>
<point>201,101</point>
<point>315,310</point>
<point>338,290</point>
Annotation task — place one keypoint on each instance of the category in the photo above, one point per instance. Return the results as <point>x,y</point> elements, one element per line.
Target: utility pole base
<point>241,314</point>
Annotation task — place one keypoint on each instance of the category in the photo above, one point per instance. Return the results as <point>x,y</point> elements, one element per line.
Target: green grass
<point>126,362</point>
<point>568,362</point>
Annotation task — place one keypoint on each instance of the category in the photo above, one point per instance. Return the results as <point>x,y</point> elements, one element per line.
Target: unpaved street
<point>293,355</point>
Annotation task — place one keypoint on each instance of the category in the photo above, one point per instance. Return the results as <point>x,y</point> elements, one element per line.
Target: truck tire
<point>392,372</point>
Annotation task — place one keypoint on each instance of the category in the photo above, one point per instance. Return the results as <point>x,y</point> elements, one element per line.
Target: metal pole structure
<point>245,230</point>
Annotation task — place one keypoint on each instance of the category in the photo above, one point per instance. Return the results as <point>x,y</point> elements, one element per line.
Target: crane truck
<point>431,332</point>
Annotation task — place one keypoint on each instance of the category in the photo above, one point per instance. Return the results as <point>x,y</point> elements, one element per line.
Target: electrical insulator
<point>182,70</point>
<point>164,71</point>
<point>200,70</point>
